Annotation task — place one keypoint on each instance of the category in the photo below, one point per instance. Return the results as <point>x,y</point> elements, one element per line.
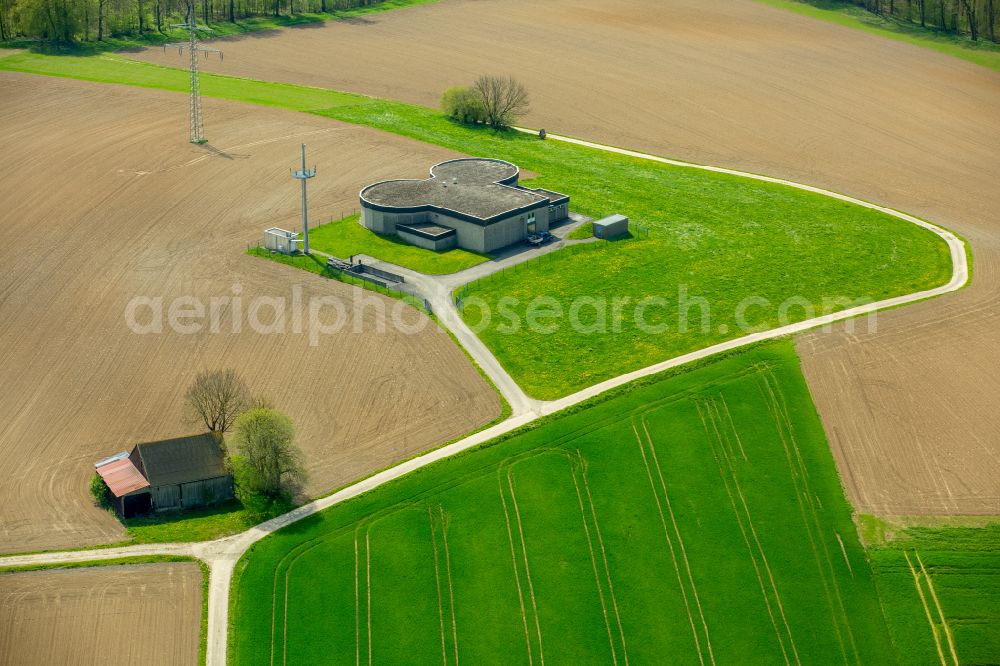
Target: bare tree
<point>217,398</point>
<point>504,99</point>
<point>267,461</point>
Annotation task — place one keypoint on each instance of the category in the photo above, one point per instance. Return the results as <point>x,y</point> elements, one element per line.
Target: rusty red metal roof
<point>121,475</point>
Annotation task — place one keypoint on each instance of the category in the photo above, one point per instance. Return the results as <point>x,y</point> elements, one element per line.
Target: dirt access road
<point>105,616</point>
<point>110,202</point>
<point>913,410</point>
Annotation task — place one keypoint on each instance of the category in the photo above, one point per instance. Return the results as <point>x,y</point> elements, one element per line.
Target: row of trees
<point>90,20</point>
<point>976,18</point>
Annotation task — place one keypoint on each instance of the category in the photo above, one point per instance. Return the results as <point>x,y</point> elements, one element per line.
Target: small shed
<point>611,226</point>
<point>168,475</point>
<point>280,240</point>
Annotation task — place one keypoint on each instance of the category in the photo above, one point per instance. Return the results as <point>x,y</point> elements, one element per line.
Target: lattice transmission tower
<point>197,127</point>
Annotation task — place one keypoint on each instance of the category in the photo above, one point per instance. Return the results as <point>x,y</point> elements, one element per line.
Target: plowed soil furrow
<point>144,614</point>
<point>103,200</point>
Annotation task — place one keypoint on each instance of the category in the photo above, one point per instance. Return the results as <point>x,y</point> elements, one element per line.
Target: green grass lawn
<point>347,237</point>
<point>721,238</point>
<point>721,534</point>
<point>202,524</point>
<point>982,52</point>
<point>940,589</point>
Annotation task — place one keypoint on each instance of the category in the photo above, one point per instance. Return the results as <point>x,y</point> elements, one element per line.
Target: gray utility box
<point>280,240</point>
<point>609,227</point>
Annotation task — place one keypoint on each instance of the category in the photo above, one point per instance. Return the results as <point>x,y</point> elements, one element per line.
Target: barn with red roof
<point>168,475</point>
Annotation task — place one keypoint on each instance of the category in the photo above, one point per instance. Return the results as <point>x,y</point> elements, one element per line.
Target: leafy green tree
<point>266,460</point>
<point>100,491</point>
<point>463,104</point>
<point>56,20</point>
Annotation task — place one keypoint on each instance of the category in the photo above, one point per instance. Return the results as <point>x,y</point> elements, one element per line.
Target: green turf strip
<point>717,535</point>
<point>345,238</point>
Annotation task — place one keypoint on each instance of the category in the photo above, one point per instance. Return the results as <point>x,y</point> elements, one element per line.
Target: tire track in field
<point>357,603</point>
<point>593,561</point>
<point>437,581</point>
<point>527,568</point>
<point>513,557</point>
<point>778,410</point>
<point>732,423</point>
<point>368,589</point>
<point>451,587</point>
<point>937,604</point>
<point>439,524</point>
<point>927,610</point>
<point>604,554</point>
<point>680,539</point>
<point>673,552</point>
<point>715,435</point>
<point>367,595</point>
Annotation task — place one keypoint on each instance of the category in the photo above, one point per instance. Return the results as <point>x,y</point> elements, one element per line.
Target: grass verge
<point>423,556</point>
<point>981,52</point>
<point>204,524</point>
<point>346,237</point>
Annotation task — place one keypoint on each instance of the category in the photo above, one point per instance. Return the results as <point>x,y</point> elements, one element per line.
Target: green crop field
<point>941,592</point>
<point>344,238</point>
<point>699,516</point>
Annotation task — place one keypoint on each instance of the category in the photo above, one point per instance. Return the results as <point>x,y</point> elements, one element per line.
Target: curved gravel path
<point>221,555</point>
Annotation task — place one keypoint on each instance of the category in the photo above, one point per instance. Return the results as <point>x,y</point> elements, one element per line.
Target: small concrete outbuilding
<point>277,239</point>
<point>168,475</point>
<point>611,226</point>
<point>473,203</point>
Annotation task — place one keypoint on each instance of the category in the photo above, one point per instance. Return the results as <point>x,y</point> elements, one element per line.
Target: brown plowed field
<point>913,411</point>
<point>103,199</point>
<point>142,614</point>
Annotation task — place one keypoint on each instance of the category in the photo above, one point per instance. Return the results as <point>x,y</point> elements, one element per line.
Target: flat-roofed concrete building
<point>474,203</point>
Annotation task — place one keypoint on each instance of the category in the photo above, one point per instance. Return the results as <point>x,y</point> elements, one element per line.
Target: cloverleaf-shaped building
<point>472,203</point>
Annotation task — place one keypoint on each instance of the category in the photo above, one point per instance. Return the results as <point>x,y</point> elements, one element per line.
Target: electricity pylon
<point>197,128</point>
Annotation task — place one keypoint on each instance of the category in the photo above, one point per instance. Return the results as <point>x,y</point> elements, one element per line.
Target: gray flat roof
<point>609,220</point>
<point>478,188</point>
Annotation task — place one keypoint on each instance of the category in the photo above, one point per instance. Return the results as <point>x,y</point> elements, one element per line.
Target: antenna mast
<point>303,175</point>
<point>197,128</point>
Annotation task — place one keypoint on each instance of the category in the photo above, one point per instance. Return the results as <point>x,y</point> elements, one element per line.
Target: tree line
<point>98,20</point>
<point>975,18</point>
